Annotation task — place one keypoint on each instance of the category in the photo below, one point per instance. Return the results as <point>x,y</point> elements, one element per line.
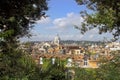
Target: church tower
<point>57,40</point>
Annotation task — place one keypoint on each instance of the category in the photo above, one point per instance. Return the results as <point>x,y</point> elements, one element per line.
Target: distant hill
<point>73,42</point>
<point>82,42</point>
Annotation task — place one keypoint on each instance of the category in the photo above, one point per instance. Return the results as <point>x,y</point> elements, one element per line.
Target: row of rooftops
<point>76,52</point>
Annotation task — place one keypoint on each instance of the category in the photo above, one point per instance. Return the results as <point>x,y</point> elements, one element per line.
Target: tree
<point>49,71</point>
<point>85,74</point>
<point>16,18</point>
<point>16,65</point>
<point>110,68</point>
<point>105,15</point>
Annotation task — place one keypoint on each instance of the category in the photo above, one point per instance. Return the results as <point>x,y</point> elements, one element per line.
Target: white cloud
<point>70,20</point>
<point>91,36</point>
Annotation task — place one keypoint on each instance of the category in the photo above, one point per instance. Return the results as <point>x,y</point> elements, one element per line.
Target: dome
<point>57,37</point>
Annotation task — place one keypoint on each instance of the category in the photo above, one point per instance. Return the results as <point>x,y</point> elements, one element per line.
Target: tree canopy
<point>105,15</point>
<point>16,18</point>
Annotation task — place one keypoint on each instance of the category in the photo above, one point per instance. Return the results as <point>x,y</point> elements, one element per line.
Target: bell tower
<point>57,40</point>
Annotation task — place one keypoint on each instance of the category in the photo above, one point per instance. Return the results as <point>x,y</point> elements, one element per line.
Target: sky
<point>62,16</point>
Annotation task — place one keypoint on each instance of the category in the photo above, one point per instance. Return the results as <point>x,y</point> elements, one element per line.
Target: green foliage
<point>16,65</point>
<point>85,74</point>
<point>6,34</point>
<point>49,71</point>
<point>110,68</point>
<point>16,18</point>
<point>105,15</point>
